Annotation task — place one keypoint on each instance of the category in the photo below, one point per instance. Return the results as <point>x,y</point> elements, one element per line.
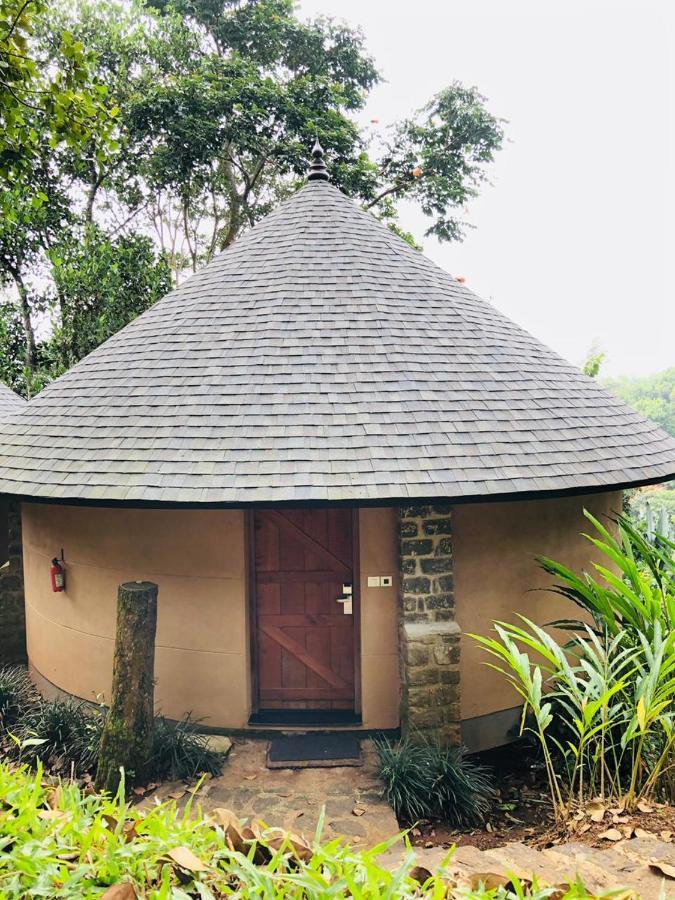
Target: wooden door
<point>304,636</point>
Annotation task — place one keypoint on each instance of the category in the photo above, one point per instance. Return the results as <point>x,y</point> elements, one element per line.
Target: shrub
<point>63,843</point>
<point>64,734</point>
<point>181,752</point>
<point>612,685</point>
<point>17,693</point>
<point>424,780</point>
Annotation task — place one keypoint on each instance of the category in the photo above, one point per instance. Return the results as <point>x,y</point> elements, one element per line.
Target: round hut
<point>333,458</point>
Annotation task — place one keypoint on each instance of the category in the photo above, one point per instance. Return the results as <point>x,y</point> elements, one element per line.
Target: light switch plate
<point>386,581</point>
<point>373,581</point>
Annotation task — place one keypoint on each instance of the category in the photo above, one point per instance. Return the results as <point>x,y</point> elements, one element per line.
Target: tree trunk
<point>127,734</point>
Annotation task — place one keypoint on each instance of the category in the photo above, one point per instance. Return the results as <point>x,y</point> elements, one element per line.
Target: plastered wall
<point>197,557</point>
<point>496,576</point>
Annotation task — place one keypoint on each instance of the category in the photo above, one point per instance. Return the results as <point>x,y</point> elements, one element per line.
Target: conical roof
<point>320,358</point>
<point>9,401</point>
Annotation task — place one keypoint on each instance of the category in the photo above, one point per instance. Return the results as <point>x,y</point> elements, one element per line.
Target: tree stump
<point>126,740</point>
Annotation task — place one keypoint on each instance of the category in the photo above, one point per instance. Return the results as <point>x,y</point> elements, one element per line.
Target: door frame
<point>249,550</point>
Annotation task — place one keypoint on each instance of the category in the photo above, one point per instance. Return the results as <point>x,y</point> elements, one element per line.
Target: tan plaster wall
<point>380,683</point>
<point>494,546</point>
<point>197,557</point>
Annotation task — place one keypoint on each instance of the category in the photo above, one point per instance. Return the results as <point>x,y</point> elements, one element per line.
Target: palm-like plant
<point>611,686</point>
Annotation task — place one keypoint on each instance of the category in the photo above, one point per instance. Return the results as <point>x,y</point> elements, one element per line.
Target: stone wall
<point>429,635</point>
<point>12,610</point>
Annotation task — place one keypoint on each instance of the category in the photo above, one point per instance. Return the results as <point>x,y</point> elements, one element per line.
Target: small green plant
<point>611,686</point>
<point>66,735</point>
<point>17,693</point>
<point>424,780</point>
<point>61,842</point>
<point>181,752</point>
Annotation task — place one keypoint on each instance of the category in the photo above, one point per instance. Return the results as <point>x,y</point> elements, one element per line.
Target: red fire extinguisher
<point>58,576</point>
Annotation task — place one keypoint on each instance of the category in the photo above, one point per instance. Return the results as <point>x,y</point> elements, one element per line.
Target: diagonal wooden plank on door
<point>332,561</point>
<point>297,650</point>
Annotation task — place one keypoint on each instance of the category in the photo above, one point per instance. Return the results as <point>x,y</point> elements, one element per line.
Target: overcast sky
<point>574,239</point>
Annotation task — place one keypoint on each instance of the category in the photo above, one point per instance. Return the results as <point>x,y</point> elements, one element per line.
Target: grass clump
<point>424,780</point>
<point>61,842</point>
<point>64,735</point>
<point>17,694</point>
<point>180,752</point>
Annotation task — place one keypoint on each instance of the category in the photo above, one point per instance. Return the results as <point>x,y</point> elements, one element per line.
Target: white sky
<point>574,239</point>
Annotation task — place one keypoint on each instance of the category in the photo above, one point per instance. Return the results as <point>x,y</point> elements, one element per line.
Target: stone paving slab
<point>294,798</point>
<point>625,865</point>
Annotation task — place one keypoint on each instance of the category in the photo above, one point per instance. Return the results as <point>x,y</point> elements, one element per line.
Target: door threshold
<point>305,718</point>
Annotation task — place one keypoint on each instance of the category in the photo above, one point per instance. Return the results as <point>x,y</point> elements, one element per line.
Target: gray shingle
<point>321,358</point>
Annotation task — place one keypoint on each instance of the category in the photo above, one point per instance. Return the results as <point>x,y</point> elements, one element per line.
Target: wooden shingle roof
<point>320,358</point>
<point>9,401</point>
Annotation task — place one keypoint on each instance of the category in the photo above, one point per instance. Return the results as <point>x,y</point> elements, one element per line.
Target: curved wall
<point>198,559</point>
<point>496,577</point>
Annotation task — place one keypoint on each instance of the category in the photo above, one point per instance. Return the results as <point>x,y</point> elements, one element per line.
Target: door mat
<point>313,751</point>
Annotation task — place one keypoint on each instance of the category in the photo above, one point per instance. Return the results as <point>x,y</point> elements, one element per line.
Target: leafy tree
<point>204,125</point>
<point>70,105</point>
<point>593,362</point>
<point>651,395</point>
<point>102,284</point>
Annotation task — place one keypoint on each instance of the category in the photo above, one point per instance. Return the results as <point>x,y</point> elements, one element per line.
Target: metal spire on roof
<point>317,170</point>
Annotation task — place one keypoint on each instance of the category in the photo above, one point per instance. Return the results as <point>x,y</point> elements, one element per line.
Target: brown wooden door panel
<point>304,640</point>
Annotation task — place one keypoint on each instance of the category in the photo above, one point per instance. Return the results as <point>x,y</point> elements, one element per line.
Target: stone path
<point>293,798</point>
<point>352,797</point>
<point>625,865</point>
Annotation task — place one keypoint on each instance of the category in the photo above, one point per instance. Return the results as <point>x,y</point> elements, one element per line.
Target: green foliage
<point>46,91</point>
<point>63,843</point>
<point>423,780</point>
<point>204,124</point>
<point>612,686</point>
<point>593,362</point>
<point>651,395</point>
<point>102,284</point>
<point>64,735</point>
<point>180,752</point>
<point>16,695</point>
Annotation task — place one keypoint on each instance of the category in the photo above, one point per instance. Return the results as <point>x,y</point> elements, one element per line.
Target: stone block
<point>436,565</point>
<point>421,676</point>
<point>422,547</point>
<point>446,654</point>
<point>440,601</point>
<point>444,583</point>
<point>415,511</point>
<point>408,566</point>
<point>416,654</point>
<point>437,526</point>
<point>408,528</point>
<point>416,585</point>
<point>444,547</point>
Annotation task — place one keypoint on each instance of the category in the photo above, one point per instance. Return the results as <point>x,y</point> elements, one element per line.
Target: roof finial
<point>317,170</point>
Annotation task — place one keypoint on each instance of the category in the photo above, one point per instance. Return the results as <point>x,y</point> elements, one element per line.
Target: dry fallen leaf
<point>665,835</point>
<point>641,833</point>
<point>419,874</point>
<point>662,867</point>
<point>120,892</point>
<point>612,834</point>
<point>185,858</point>
<point>176,795</point>
<point>250,777</point>
<point>627,831</point>
<point>358,811</point>
<point>584,828</point>
<point>645,807</point>
<point>52,814</point>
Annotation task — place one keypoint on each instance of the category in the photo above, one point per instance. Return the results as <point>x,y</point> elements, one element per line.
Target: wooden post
<point>127,734</point>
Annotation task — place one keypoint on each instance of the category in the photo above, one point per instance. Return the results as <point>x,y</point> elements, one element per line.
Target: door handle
<point>346,594</point>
